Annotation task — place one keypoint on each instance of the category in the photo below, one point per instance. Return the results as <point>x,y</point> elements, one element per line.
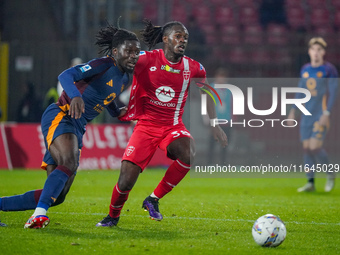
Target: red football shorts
<point>145,139</point>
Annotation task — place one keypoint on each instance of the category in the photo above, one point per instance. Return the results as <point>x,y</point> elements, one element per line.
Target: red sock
<point>37,194</point>
<point>117,201</point>
<point>175,173</point>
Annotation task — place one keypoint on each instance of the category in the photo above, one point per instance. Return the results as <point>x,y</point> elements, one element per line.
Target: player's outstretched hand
<point>220,136</point>
<point>123,111</point>
<point>324,120</point>
<point>77,107</point>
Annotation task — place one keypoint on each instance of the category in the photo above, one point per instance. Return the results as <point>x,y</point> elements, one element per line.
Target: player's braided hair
<point>111,37</point>
<point>151,35</point>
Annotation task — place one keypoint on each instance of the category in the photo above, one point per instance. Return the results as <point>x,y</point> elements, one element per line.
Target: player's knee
<point>129,173</point>
<point>125,184</point>
<point>187,156</point>
<point>307,151</point>
<point>315,151</point>
<point>70,163</point>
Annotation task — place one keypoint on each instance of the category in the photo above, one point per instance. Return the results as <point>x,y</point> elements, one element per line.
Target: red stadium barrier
<point>22,146</point>
<point>4,153</point>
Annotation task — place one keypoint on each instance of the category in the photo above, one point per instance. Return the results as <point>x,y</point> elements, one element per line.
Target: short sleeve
<point>142,62</point>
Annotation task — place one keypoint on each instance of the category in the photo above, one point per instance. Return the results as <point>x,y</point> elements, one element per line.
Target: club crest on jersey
<point>170,69</point>
<point>129,150</point>
<point>201,66</point>
<point>165,93</point>
<point>186,75</point>
<point>85,68</point>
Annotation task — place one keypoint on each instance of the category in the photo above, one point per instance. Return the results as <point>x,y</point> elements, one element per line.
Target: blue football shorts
<point>54,123</point>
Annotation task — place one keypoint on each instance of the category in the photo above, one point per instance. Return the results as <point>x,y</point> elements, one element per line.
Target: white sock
<point>39,211</point>
<point>153,195</point>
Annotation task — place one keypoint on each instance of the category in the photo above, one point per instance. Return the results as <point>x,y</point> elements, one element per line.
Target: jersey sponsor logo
<point>129,150</point>
<point>186,75</point>
<point>158,103</point>
<point>85,68</point>
<point>153,68</point>
<point>170,69</point>
<point>165,93</point>
<point>110,83</point>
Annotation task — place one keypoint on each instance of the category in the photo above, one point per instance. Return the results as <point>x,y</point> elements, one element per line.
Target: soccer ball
<point>269,231</point>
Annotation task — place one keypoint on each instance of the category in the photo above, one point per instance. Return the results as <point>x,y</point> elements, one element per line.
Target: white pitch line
<point>199,218</point>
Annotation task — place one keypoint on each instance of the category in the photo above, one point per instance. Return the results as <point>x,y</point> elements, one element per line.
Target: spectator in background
<point>50,97</point>
<point>223,112</point>
<point>29,109</point>
<point>272,11</point>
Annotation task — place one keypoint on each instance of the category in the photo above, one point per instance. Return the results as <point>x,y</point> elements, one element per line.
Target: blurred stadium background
<point>249,38</point>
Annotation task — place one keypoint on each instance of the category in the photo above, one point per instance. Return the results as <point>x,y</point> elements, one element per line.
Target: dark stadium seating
<point>319,17</point>
<point>225,15</point>
<point>277,35</point>
<point>260,56</point>
<point>335,3</point>
<point>238,56</point>
<point>315,4</point>
<point>253,34</point>
<point>202,14</point>
<point>293,3</point>
<point>296,17</point>
<point>337,18</point>
<point>248,15</point>
<point>230,23</point>
<point>230,35</point>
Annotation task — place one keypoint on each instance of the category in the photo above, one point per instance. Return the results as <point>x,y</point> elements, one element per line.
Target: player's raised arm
<point>67,79</point>
<point>332,87</point>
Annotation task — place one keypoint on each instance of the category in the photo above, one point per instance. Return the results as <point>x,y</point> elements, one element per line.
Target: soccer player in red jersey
<point>158,95</point>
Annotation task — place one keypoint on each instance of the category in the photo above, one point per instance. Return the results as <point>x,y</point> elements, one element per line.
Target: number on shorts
<point>178,133</point>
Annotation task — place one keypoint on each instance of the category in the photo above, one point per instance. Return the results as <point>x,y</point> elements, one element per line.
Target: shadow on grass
<point>116,233</point>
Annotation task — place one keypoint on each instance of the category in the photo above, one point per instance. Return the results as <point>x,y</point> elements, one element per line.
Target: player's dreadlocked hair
<point>111,37</point>
<point>151,35</point>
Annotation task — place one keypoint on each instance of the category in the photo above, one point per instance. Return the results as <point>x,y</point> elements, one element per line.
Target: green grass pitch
<point>201,216</point>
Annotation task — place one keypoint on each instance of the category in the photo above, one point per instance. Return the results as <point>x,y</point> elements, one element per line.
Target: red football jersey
<point>160,88</point>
